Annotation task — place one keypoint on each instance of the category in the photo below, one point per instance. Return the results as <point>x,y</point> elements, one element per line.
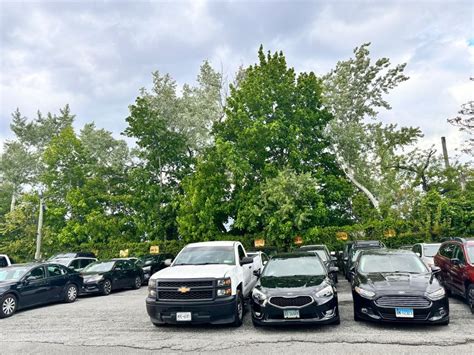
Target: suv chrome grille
<point>299,301</point>
<point>402,301</point>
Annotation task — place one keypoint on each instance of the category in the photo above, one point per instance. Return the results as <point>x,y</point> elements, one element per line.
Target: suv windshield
<point>391,263</point>
<point>13,273</point>
<point>206,255</point>
<point>430,250</point>
<point>99,267</point>
<point>470,253</point>
<point>303,266</point>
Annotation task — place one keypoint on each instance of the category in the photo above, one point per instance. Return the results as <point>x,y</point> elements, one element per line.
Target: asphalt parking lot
<point>119,324</point>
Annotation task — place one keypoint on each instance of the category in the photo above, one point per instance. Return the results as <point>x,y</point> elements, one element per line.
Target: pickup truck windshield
<point>303,266</point>
<point>206,255</point>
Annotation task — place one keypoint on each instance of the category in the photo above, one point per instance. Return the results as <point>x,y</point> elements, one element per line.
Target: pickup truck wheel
<point>239,310</point>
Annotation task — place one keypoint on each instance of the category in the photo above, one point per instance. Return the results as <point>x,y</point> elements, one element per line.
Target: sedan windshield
<point>206,255</point>
<point>321,253</point>
<point>303,266</point>
<point>13,273</point>
<point>99,267</point>
<point>430,250</point>
<point>391,263</point>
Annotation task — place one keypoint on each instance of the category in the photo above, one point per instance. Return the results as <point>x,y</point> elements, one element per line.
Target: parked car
<point>5,261</point>
<point>426,251</point>
<point>294,288</point>
<point>396,286</point>
<point>108,275</point>
<point>206,283</point>
<point>72,255</point>
<point>328,260</point>
<point>357,245</point>
<point>26,285</point>
<point>260,259</point>
<point>75,263</point>
<point>345,256</point>
<point>152,263</point>
<point>455,258</point>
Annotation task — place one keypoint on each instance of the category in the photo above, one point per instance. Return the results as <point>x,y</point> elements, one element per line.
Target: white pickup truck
<point>5,260</point>
<point>207,282</point>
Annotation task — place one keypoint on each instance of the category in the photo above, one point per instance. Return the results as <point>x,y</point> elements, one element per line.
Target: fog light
<point>442,312</point>
<point>364,310</point>
<point>329,312</point>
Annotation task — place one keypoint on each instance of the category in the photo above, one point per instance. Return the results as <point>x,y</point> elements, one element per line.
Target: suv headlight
<point>259,296</point>
<point>224,287</point>
<point>364,293</point>
<point>325,292</point>
<point>436,295</point>
<point>152,288</point>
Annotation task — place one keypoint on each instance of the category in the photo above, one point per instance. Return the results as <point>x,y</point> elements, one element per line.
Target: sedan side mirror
<point>246,260</point>
<point>333,269</point>
<point>167,262</point>
<point>455,261</point>
<point>435,269</point>
<point>257,273</point>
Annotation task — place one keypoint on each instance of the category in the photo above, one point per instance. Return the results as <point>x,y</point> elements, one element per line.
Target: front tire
<point>470,297</point>
<point>70,294</point>
<point>106,287</point>
<point>239,310</point>
<point>8,306</point>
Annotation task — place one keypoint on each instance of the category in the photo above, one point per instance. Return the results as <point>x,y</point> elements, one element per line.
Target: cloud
<point>96,55</point>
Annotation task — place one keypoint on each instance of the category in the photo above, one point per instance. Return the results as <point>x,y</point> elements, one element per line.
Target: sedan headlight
<point>436,295</point>
<point>364,293</point>
<point>325,292</point>
<point>259,296</point>
<point>94,279</point>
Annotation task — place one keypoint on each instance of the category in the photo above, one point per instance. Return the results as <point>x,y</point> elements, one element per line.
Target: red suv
<point>456,260</point>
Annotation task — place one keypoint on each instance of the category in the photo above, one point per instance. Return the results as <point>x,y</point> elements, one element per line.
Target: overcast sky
<point>95,55</point>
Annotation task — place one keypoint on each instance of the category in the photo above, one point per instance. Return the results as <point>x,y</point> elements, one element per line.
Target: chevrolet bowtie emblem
<point>184,289</point>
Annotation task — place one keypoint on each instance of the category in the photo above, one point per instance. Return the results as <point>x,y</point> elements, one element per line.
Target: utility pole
<point>40,228</point>
<point>445,152</point>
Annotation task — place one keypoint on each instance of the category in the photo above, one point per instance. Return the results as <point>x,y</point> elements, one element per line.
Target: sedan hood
<point>393,282</point>
<point>194,271</point>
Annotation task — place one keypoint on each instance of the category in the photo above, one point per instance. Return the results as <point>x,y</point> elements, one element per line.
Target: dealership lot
<point>119,323</point>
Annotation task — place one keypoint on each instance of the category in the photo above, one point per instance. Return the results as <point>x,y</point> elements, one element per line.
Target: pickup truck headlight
<point>325,292</point>
<point>152,288</point>
<point>259,296</point>
<point>436,295</point>
<point>364,293</point>
<point>224,287</point>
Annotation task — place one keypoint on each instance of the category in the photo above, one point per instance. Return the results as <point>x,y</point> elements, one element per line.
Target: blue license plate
<point>404,312</point>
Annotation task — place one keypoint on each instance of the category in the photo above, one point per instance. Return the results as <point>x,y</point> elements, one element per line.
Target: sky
<point>96,55</point>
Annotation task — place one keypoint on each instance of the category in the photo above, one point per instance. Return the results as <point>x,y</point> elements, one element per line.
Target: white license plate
<point>404,312</point>
<point>291,313</point>
<point>183,316</point>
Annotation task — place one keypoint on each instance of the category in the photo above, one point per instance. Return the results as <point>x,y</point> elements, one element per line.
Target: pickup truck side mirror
<point>246,260</point>
<point>167,262</point>
<point>435,269</point>
<point>418,254</point>
<point>257,273</point>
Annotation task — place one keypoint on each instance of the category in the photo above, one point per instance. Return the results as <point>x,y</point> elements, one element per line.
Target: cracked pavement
<point>119,324</point>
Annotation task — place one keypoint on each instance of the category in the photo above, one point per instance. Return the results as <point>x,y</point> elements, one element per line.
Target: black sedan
<point>396,286</point>
<point>105,276</point>
<point>26,285</point>
<point>152,263</point>
<point>294,288</point>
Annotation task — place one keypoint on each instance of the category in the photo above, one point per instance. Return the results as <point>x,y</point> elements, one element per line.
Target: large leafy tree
<point>274,119</point>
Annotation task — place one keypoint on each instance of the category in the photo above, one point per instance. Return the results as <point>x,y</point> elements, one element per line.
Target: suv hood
<point>194,271</point>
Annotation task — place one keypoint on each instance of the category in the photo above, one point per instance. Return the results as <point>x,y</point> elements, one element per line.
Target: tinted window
<point>303,266</point>
<point>3,261</point>
<point>458,253</point>
<point>241,253</point>
<point>75,264</point>
<point>206,255</point>
<point>99,266</point>
<point>55,270</point>
<point>85,262</point>
<point>36,274</point>
<point>128,265</point>
<point>417,249</point>
<point>391,263</point>
<point>447,250</point>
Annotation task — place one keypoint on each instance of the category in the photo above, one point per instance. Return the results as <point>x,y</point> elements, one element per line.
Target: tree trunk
<point>39,231</point>
<point>13,202</point>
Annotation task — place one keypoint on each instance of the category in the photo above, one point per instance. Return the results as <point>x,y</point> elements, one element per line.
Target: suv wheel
<point>106,287</point>
<point>239,310</point>
<point>8,306</point>
<point>71,293</point>
<point>470,297</point>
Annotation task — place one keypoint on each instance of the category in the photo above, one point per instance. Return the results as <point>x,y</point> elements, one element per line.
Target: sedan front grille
<point>299,301</point>
<point>402,301</point>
